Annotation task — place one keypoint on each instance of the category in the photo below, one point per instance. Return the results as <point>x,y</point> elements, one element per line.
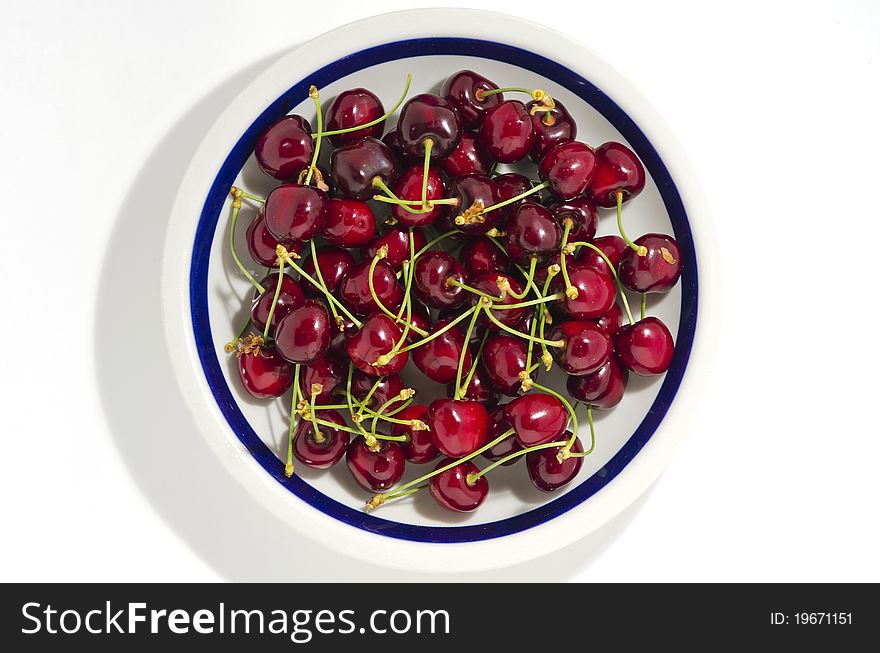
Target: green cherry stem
<point>229,347</point>
<point>505,286</point>
<point>248,196</point>
<point>323,283</point>
<point>439,332</point>
<point>592,436</point>
<point>459,391</point>
<point>314,391</point>
<point>288,466</point>
<point>570,291</point>
<point>367,125</point>
<point>382,253</point>
<point>511,330</point>
<point>349,400</point>
<point>452,281</point>
<point>378,414</point>
<point>236,205</point>
<point>644,305</point>
<point>285,255</point>
<point>568,407</point>
<point>436,240</point>
<point>274,299</point>
<point>391,198</point>
<point>398,495</point>
<point>404,203</point>
<point>369,412</point>
<point>641,250</point>
<point>472,478</point>
<point>546,356</point>
<point>429,145</point>
<point>531,302</point>
<point>613,272</point>
<point>477,357</point>
<point>517,198</point>
<point>313,93</point>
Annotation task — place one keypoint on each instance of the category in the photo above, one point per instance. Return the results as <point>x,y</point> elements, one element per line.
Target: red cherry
<point>488,283</point>
<point>432,271</point>
<point>397,241</point>
<point>506,132</point>
<point>545,470</point>
<point>472,190</point>
<point>387,388</point>
<point>262,244</point>
<point>286,147</point>
<point>450,488</point>
<point>561,129</point>
<point>480,256</point>
<point>587,346</point>
<point>338,338</point>
<point>420,448</point>
<point>498,426</point>
<point>610,322</point>
<point>658,271</point>
<point>458,427</point>
<point>324,450</point>
<point>467,159</point>
<point>532,232</point>
<point>375,470</point>
<point>568,167</point>
<point>354,289</point>
<point>612,246</point>
<point>460,91</point>
<point>390,139</point>
<point>536,418</point>
<point>265,374</point>
<point>328,371</point>
<point>438,359</point>
<point>295,212</point>
<point>334,264</point>
<point>290,298</point>
<point>409,187</point>
<point>378,335</point>
<point>504,357</point>
<point>511,184</point>
<point>617,169</point>
<point>424,117</point>
<point>351,108</point>
<point>349,223</point>
<point>645,347</point>
<point>479,389</point>
<point>583,214</point>
<point>596,292</point>
<point>303,335</point>
<point>603,388</point>
<point>355,166</point>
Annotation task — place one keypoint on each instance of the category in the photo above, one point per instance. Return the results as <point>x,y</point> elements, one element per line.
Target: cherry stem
<point>452,281</point>
<point>479,354</point>
<point>367,125</point>
<point>517,198</point>
<point>378,414</point>
<point>429,145</point>
<point>248,196</point>
<point>348,397</point>
<point>431,243</point>
<point>529,276</point>
<point>274,299</point>
<point>285,255</point>
<point>644,305</point>
<point>613,272</point>
<point>531,302</point>
<point>524,336</point>
<point>545,354</point>
<point>472,478</point>
<point>403,203</point>
<point>592,436</point>
<point>313,414</point>
<point>408,273</point>
<point>439,332</point>
<point>313,93</point>
<point>369,412</point>
<point>641,250</point>
<point>398,495</point>
<point>394,199</point>
<point>459,391</point>
<point>288,466</point>
<point>320,276</point>
<point>378,257</point>
<point>569,289</point>
<point>568,407</point>
<point>531,345</point>
<point>236,205</point>
<point>366,400</point>
<point>229,347</point>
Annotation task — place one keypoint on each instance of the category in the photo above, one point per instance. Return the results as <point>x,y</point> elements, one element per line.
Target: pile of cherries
<point>412,245</point>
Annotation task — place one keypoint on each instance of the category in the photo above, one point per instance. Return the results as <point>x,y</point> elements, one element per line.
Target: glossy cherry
<point>397,241</point>
<point>354,289</point>
<point>488,283</point>
<point>290,297</point>
<point>536,418</point>
<point>329,372</point>
<point>460,90</point>
<point>610,322</point>
<point>617,169</point>
<point>506,133</point>
<point>645,347</point>
<point>349,223</point>
<point>531,232</point>
<point>265,374</point>
<point>479,256</point>
<point>657,271</point>
<point>351,108</point>
<point>375,469</point>
<point>603,388</point>
<point>545,470</point>
<point>262,244</point>
<point>355,166</point>
<point>511,184</point>
<point>286,147</point>
<point>409,187</point>
<point>596,291</point>
<point>295,212</point>
<point>583,214</point>
<point>451,490</point>
<point>378,335</point>
<point>569,167</point>
<point>612,246</point>
<point>431,280</point>
<point>476,191</point>
<point>333,262</point>
<point>479,389</point>
<point>390,139</point>
<point>324,449</point>
<point>499,425</point>
<point>428,116</point>
<point>587,346</point>
<point>438,359</point>
<point>303,335</point>
<point>504,357</point>
<point>551,128</point>
<point>387,388</point>
<point>419,449</point>
<point>458,427</point>
<point>467,159</point>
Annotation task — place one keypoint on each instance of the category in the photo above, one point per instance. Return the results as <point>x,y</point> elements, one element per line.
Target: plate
<point>204,295</point>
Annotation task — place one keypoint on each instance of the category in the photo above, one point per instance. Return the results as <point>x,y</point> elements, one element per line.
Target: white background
<point>778,106</point>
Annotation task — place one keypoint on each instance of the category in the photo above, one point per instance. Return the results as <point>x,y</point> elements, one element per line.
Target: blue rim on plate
<point>219,192</point>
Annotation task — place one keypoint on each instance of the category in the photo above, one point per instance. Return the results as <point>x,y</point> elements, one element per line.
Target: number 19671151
<point>812,618</point>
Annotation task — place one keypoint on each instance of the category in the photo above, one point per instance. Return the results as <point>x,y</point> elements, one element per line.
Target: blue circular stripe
<point>207,348</point>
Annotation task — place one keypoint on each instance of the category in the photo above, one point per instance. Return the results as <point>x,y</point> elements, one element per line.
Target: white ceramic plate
<point>205,296</point>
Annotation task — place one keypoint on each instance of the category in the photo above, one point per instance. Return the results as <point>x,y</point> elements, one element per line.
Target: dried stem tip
<point>313,92</point>
<point>288,470</point>
<point>375,502</point>
<point>547,359</point>
<point>316,389</point>
<point>571,292</point>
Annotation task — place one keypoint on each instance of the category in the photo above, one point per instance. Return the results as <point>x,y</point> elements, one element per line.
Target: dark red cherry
<point>603,388</point>
<point>397,240</point>
<point>458,427</point>
<point>480,256</point>
<point>610,322</point>
<point>488,283</point>
<point>545,470</point>
<point>334,264</point>
<point>328,371</point>
<point>430,280</point>
<point>378,335</point>
<point>617,169</point>
<point>324,449</point>
<point>587,346</point>
<point>479,389</point>
<point>351,108</point>
<point>428,116</point>
<point>390,139</point>
<point>460,89</point>
<point>451,490</point>
<point>506,133</point>
<point>354,289</point>
<point>409,187</point>
<point>265,374</point>
<point>511,184</point>
<point>303,335</point>
<point>596,291</point>
<point>467,159</point>
<point>504,357</point>
<point>375,470</point>
<point>286,147</point>
<point>262,244</point>
<point>645,347</point>
<point>387,388</point>
<point>583,214</point>
<point>438,359</point>
<point>290,297</point>
<point>295,212</point>
<point>551,128</point>
<point>568,167</point>
<point>657,271</point>
<point>531,232</point>
<point>476,191</point>
<point>420,448</point>
<point>355,166</point>
<point>536,418</point>
<point>498,426</point>
<point>612,246</point>
<point>349,223</point>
